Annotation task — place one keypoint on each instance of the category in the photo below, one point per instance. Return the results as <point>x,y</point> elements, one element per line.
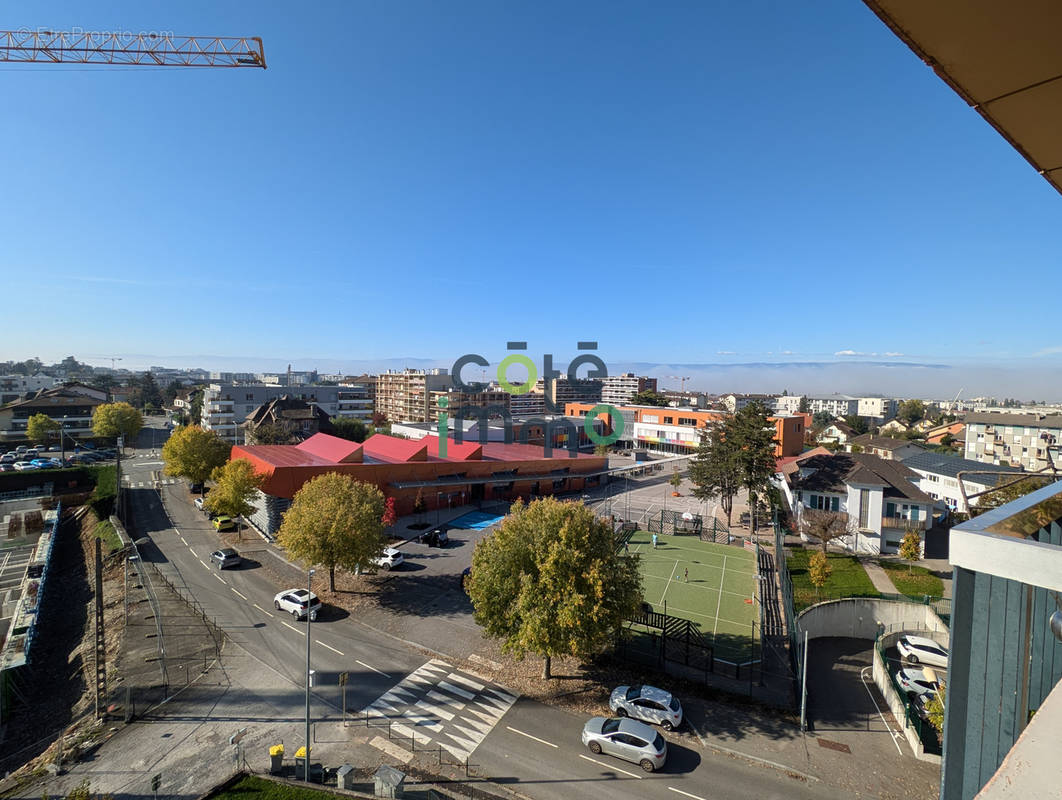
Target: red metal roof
<point>499,451</point>
<point>466,451</point>
<point>332,449</point>
<point>394,450</point>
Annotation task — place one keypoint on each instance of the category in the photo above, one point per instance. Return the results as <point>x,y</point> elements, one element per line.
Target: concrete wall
<point>895,702</point>
<point>865,617</point>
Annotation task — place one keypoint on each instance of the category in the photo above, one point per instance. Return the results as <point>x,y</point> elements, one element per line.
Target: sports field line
<point>740,622</point>
<point>706,566</point>
<point>719,604</point>
<point>698,588</point>
<point>669,582</point>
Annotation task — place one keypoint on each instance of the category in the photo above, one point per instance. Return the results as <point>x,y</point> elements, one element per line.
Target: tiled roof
<point>1019,420</point>
<point>942,464</point>
<point>881,442</point>
<point>833,473</point>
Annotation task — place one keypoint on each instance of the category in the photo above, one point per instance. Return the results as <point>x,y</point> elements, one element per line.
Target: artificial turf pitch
<point>717,595</point>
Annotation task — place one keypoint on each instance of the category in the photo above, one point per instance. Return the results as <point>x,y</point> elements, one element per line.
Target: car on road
<point>918,681</point>
<point>31,454</point>
<point>436,538</point>
<point>226,557</point>
<point>920,650</point>
<point>627,739</point>
<point>224,523</point>
<point>293,601</point>
<point>648,704</point>
<point>390,558</point>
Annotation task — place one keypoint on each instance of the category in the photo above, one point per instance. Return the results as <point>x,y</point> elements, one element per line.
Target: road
<point>533,747</point>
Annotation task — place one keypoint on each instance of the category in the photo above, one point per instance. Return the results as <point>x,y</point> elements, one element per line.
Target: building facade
<point>71,409</point>
<point>837,405</point>
<point>405,396</point>
<point>1031,441</point>
<point>227,406</point>
<point>493,397</point>
<point>878,409</point>
<point>17,387</point>
<point>619,390</point>
<point>939,476</point>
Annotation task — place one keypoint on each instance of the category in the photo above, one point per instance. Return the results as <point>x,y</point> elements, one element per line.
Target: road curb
<point>763,762</point>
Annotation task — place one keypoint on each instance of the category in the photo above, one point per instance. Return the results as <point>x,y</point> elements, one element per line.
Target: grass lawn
<point>848,579</point>
<point>106,532</point>
<point>919,581</point>
<point>252,788</point>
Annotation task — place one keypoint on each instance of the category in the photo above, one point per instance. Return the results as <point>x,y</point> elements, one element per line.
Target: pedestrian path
<point>878,577</point>
<point>440,704</point>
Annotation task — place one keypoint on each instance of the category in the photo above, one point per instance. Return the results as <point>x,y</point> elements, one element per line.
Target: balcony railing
<point>904,524</point>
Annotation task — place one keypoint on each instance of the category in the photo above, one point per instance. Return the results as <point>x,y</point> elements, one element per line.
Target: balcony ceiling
<point>1003,58</point>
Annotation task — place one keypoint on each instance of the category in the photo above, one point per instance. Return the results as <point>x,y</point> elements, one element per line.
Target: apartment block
<point>227,406</point>
<point>880,409</point>
<point>736,402</point>
<point>71,409</point>
<point>619,390</point>
<point>788,403</point>
<point>1017,440</point>
<point>839,405</point>
<point>563,391</point>
<point>16,387</point>
<point>493,397</point>
<point>405,396</point>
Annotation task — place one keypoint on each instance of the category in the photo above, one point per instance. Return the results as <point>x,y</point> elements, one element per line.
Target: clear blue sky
<point>682,182</point>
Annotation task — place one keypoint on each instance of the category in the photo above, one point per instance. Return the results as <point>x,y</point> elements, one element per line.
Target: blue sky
<point>685,182</point>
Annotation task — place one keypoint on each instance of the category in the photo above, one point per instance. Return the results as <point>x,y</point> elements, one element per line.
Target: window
<point>687,421</point>
<point>668,420</point>
<point>249,396</point>
<point>650,417</point>
<point>864,508</point>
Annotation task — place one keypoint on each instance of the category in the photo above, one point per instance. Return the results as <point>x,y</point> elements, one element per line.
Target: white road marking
<point>438,711</point>
<point>894,734</point>
<point>301,633</point>
<point>368,667</point>
<point>219,577</point>
<point>529,736</point>
<point>183,540</point>
<point>201,561</point>
<point>328,646</point>
<point>679,791</point>
<point>238,594</point>
<point>609,766</point>
<point>260,608</point>
<point>449,687</point>
<point>471,684</point>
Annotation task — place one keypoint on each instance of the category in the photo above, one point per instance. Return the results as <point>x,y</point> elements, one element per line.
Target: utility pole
<point>309,673</point>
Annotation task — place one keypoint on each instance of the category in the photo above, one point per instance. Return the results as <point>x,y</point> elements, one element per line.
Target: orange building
<point>678,430</point>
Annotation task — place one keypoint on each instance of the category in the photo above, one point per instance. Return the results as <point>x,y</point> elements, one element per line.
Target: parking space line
<point>679,791</point>
<point>329,647</point>
<point>368,667</point>
<point>301,633</point>
<point>260,608</point>
<point>238,594</point>
<point>529,736</point>
<point>183,540</point>
<point>219,577</point>
<point>201,561</point>
<point>610,766</point>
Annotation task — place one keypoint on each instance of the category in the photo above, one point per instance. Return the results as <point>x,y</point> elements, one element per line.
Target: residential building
<point>531,404</point>
<point>894,426</point>
<point>956,430</point>
<point>678,399</point>
<point>522,430</point>
<point>227,406</point>
<point>837,432</point>
<point>407,469</point>
<point>562,391</point>
<point>939,478</point>
<point>884,446</point>
<point>788,403</point>
<point>619,390</point>
<point>18,387</point>
<point>232,377</point>
<point>356,398</point>
<point>1031,441</point>
<point>837,405</point>
<point>71,409</point>
<point>289,378</point>
<point>493,398</point>
<point>299,419</point>
<point>736,402</point>
<point>876,408</point>
<point>878,496</point>
<point>405,396</point>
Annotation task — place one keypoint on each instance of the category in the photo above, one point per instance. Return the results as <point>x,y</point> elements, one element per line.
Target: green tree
<point>819,570</point>
<point>858,424</point>
<point>820,419</point>
<point>600,449</point>
<point>272,433</point>
<point>550,582</point>
<point>235,485</point>
<point>825,526</point>
<point>150,393</point>
<point>935,708</point>
<point>195,405</point>
<point>804,407</point>
<point>102,380</point>
<point>41,428</point>
<point>1009,490</point>
<point>116,419</point>
<point>675,480</point>
<point>647,397</point>
<point>714,471</point>
<point>753,434</point>
<point>335,521</point>
<point>910,411</point>
<point>171,391</point>
<point>349,428</point>
<point>194,453</point>
<point>911,548</point>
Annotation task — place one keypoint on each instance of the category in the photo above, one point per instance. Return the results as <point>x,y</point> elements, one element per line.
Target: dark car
<point>435,538</point>
<point>226,557</point>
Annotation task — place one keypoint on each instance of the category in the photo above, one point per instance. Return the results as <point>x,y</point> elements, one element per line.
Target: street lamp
<point>309,616</point>
<point>62,439</point>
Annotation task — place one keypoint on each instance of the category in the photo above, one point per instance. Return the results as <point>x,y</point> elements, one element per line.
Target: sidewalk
<point>878,576</point>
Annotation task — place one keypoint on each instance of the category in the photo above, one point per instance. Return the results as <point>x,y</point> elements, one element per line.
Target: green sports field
<point>710,584</point>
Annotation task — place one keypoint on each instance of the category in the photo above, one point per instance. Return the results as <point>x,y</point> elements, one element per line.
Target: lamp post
<point>62,440</point>
<point>309,615</point>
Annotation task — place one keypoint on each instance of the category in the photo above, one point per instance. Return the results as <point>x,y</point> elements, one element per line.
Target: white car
<point>293,601</point>
<point>918,681</point>
<point>920,650</point>
<point>648,704</point>
<point>392,557</point>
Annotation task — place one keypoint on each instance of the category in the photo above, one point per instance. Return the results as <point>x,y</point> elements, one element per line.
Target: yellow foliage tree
<point>117,419</point>
<point>236,483</point>
<point>194,453</point>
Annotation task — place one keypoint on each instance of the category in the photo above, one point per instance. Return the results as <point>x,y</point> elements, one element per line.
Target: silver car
<point>294,602</point>
<point>226,557</point>
<point>627,739</point>
<point>648,704</point>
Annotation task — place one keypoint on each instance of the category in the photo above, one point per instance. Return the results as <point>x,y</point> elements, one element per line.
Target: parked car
<point>918,681</point>
<point>25,466</point>
<point>7,467</point>
<point>627,739</point>
<point>391,558</point>
<point>920,650</point>
<point>436,538</point>
<point>198,503</point>
<point>293,601</point>
<point>226,557</point>
<point>8,458</point>
<point>648,704</point>
<point>196,488</point>
<point>224,523</point>
<point>31,454</point>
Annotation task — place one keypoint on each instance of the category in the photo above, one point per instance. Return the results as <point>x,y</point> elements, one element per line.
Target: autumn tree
<point>675,480</point>
<point>911,548</point>
<point>935,708</point>
<point>116,419</point>
<point>194,453</point>
<point>825,526</point>
<point>41,428</point>
<point>235,484</point>
<point>714,470</point>
<point>335,521</point>
<point>550,582</point>
<point>819,570</point>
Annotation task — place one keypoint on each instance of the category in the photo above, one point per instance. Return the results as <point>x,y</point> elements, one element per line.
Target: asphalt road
<point>533,747</point>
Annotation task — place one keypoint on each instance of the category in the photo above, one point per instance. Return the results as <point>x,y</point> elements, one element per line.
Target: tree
<point>389,515</point>
<point>272,433</point>
<point>102,380</point>
<point>911,548</point>
<point>754,436</point>
<point>601,450</point>
<point>194,453</point>
<point>1007,492</point>
<point>647,397</point>
<point>150,394</point>
<point>819,570</point>
<point>171,391</point>
<point>714,470</point>
<point>113,419</point>
<point>803,407</point>
<point>379,419</point>
<point>858,424</point>
<point>195,405</point>
<point>335,521</point>
<point>550,582</point>
<point>935,708</point>
<point>349,428</point>
<point>820,419</point>
<point>910,411</point>
<point>41,428</point>
<point>675,480</point>
<point>826,526</point>
<point>236,483</point>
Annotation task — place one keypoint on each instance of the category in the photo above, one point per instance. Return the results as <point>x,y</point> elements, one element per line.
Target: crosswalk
<point>441,704</point>
<point>127,481</point>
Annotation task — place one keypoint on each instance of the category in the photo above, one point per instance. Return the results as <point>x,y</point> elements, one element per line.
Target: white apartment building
<point>619,390</point>
<point>15,387</point>
<point>838,405</point>
<point>227,406</point>
<point>881,409</point>
<point>736,402</point>
<point>938,476</point>
<point>1014,439</point>
<point>788,403</point>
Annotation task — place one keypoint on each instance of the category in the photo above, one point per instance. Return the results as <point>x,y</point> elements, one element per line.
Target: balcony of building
<point>903,523</point>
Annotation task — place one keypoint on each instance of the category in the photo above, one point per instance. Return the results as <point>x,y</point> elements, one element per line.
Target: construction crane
<point>114,360</point>
<point>682,378</point>
<point>127,49</point>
